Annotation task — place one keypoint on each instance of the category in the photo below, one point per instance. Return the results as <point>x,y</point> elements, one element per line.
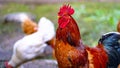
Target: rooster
<point>70,51</point>
<point>26,20</point>
<point>33,45</point>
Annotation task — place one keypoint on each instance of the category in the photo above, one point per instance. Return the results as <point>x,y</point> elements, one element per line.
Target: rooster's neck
<point>70,33</point>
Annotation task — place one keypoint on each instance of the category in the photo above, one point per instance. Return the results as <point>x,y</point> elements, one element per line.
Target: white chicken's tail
<point>46,27</point>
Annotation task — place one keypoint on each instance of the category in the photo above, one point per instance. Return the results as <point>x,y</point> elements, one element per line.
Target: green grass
<point>93,19</point>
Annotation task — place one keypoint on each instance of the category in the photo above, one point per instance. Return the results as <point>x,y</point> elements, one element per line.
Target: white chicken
<point>32,45</point>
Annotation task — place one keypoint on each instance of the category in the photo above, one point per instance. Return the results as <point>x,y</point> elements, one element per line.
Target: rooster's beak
<point>59,16</point>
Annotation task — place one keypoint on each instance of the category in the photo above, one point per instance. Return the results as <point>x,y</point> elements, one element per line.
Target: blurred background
<point>94,17</point>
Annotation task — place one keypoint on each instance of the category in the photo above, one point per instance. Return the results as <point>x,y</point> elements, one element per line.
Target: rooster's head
<point>64,15</point>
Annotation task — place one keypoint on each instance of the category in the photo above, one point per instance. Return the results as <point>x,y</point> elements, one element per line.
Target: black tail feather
<point>112,46</point>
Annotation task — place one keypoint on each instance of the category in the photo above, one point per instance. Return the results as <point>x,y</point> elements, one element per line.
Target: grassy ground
<point>93,19</point>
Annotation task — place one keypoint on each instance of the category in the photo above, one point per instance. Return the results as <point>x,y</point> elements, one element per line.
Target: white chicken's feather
<point>33,45</point>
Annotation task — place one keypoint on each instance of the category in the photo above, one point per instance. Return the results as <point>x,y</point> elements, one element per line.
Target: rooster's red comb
<point>66,9</point>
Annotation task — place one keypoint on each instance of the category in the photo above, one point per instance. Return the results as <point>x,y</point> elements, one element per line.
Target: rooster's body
<point>32,45</point>
<point>70,51</point>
